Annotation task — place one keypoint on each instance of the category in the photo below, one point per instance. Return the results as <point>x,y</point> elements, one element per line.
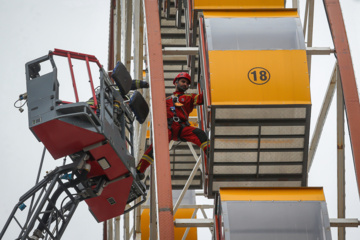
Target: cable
<point>174,146</point>
<point>108,87</point>
<point>63,209</point>
<point>64,160</point>
<point>20,107</point>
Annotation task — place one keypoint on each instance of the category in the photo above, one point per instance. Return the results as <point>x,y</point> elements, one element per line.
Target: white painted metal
<point>137,218</point>
<point>295,4</point>
<point>171,143</point>
<point>194,222</point>
<point>181,51</point>
<point>322,116</point>
<point>188,228</point>
<point>153,207</point>
<point>184,206</point>
<point>340,154</point>
<point>194,154</point>
<point>138,22</point>
<point>117,228</point>
<point>131,232</point>
<point>319,51</point>
<point>126,224</point>
<point>110,229</point>
<point>127,58</point>
<point>117,31</point>
<point>205,216</point>
<point>188,182</point>
<point>344,222</point>
<point>139,133</point>
<point>310,32</point>
<point>199,193</point>
<point>306,16</point>
<point>128,34</point>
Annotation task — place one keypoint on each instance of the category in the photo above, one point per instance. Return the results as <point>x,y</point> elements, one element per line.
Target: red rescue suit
<point>178,108</point>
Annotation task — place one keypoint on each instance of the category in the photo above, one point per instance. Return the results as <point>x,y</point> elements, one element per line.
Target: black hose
<point>55,196</point>
<point>51,205</point>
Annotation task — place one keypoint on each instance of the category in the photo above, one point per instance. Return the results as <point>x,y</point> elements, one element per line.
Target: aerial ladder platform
<point>96,135</point>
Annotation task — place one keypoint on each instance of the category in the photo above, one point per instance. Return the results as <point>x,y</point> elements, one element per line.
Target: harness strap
<point>173,110</point>
<point>175,118</point>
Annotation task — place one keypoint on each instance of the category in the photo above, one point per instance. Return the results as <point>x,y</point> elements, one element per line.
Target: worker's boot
<point>140,175</point>
<point>143,164</point>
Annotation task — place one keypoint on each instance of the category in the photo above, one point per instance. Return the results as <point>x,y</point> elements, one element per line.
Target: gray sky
<point>29,29</point>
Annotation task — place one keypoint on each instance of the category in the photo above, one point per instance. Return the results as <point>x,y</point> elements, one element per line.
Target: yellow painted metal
<point>148,131</point>
<point>253,13</point>
<point>235,77</point>
<point>193,119</point>
<point>181,213</point>
<point>272,194</point>
<point>237,4</point>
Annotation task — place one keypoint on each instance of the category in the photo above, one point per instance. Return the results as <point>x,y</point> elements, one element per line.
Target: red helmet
<point>182,75</point>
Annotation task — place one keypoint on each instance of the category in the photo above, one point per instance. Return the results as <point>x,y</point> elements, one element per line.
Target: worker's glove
<point>136,84</point>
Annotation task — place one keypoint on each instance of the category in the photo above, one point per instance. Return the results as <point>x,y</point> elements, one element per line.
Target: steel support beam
<point>138,39</point>
<point>111,38</point>
<point>351,97</point>
<point>187,184</point>
<point>310,32</point>
<point>340,155</point>
<point>342,222</point>
<point>117,31</point>
<point>153,224</point>
<point>306,17</point>
<point>126,224</point>
<point>203,206</point>
<point>322,116</point>
<point>105,230</point>
<point>295,4</point>
<point>110,229</point>
<point>117,228</point>
<point>188,228</point>
<point>319,51</point>
<point>128,34</point>
<point>194,223</point>
<point>181,51</point>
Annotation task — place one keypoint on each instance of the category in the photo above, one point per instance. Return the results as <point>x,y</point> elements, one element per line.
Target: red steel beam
<point>76,55</point>
<point>351,98</point>
<point>159,120</point>
<point>91,81</point>
<point>73,77</point>
<point>111,53</point>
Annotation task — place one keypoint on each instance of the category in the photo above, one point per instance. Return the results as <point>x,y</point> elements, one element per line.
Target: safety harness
<point>175,118</point>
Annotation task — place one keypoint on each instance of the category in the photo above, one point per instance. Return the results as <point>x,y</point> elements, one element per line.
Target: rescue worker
<point>178,108</point>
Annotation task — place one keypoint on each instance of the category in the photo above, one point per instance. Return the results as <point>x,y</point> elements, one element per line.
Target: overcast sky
<point>29,29</point>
